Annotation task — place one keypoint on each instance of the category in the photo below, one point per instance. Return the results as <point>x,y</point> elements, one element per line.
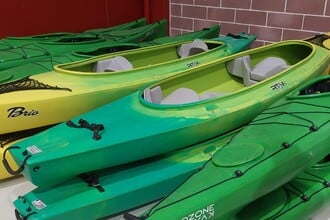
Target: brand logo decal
<point>202,214</point>
<point>20,111</point>
<point>192,64</point>
<point>278,86</point>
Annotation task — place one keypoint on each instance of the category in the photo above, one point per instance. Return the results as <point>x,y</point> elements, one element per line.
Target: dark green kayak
<point>14,42</point>
<point>45,49</point>
<point>301,198</point>
<point>284,140</point>
<point>47,64</point>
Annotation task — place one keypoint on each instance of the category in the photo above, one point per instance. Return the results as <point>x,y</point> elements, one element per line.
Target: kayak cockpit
<point>225,77</point>
<point>144,58</point>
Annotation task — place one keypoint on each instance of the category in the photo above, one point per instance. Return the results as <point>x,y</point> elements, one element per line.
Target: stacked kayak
<point>108,192</point>
<point>112,191</point>
<point>74,88</point>
<point>44,49</point>
<point>281,142</point>
<point>143,124</point>
<point>46,65</point>
<point>301,198</point>
<point>14,42</point>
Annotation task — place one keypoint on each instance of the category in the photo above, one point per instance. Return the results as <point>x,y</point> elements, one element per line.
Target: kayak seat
<point>210,95</point>
<point>153,95</point>
<point>178,96</point>
<point>181,96</point>
<point>264,69</point>
<point>267,68</point>
<point>196,47</point>
<point>117,63</point>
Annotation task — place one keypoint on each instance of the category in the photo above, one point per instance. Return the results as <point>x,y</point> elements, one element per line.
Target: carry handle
<point>7,166</point>
<point>19,216</point>
<point>95,128</point>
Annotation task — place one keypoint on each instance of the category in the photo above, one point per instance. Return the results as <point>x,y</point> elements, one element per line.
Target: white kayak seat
<point>241,67</point>
<point>181,96</point>
<point>267,68</point>
<point>117,63</point>
<point>153,95</point>
<point>196,47</point>
<point>210,95</point>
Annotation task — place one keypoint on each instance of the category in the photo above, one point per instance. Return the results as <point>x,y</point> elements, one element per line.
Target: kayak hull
<point>47,65</point>
<point>57,96</point>
<point>46,49</point>
<point>254,164</point>
<point>132,124</point>
<point>122,188</point>
<point>14,42</point>
<point>301,198</point>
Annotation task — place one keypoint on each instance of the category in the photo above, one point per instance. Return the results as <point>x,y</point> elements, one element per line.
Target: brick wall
<point>271,20</point>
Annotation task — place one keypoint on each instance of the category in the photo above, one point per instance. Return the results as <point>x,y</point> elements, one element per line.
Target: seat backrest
<point>153,95</point>
<point>181,96</point>
<point>239,66</point>
<point>117,63</point>
<point>196,47</point>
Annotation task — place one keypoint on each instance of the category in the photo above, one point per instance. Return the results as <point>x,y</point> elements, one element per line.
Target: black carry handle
<point>95,128</point>
<point>7,166</point>
<point>20,217</point>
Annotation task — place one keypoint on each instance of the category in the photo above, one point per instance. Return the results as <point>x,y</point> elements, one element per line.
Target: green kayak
<point>48,64</point>
<point>301,198</point>
<point>110,192</point>
<point>75,88</point>
<point>285,139</point>
<point>128,129</point>
<point>14,42</point>
<point>44,49</point>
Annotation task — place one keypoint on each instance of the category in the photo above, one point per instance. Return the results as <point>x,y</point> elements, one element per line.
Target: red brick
<point>306,6</point>
<point>236,3</point>
<point>294,35</point>
<point>176,10</point>
<point>215,3</point>
<point>285,20</point>
<point>327,11</point>
<point>175,32</point>
<point>257,43</point>
<point>221,14</point>
<point>266,33</point>
<point>316,23</point>
<point>233,28</point>
<point>200,24</point>
<point>269,5</point>
<point>181,23</point>
<point>251,17</point>
<point>194,11</point>
<point>183,1</point>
